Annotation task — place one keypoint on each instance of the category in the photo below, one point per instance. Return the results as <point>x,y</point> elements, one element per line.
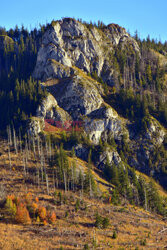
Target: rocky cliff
<point>70,53</point>
<point>69,43</point>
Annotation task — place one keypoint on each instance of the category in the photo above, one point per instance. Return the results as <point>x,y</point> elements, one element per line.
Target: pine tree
<point>73,152</point>
<point>98,222</point>
<point>148,74</point>
<point>115,197</point>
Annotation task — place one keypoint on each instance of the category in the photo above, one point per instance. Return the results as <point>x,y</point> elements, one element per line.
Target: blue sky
<point>147,16</point>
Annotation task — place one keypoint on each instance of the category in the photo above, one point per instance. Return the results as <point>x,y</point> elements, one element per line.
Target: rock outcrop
<point>35,125</point>
<point>145,144</point>
<point>82,152</point>
<point>71,52</point>
<point>104,122</point>
<point>78,96</point>
<point>155,132</point>
<point>50,110</point>
<point>111,155</point>
<point>100,157</point>
<point>70,43</point>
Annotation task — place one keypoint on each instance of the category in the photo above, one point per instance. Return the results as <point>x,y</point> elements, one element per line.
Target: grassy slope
<point>132,224</point>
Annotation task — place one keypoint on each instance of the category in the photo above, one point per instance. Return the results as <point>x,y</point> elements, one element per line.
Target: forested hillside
<point>19,93</point>
<point>83,112</point>
<point>139,81</point>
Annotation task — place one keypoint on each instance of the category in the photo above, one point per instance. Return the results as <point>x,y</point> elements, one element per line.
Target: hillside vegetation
<point>83,154</point>
<point>69,219</point>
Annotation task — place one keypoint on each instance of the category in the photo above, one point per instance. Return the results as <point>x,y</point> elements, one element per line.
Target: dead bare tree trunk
<point>145,198</point>
<point>65,183</point>
<point>15,141</point>
<point>90,187</point>
<point>53,180</point>
<point>82,184</point>
<point>20,142</point>
<point>72,179</point>
<point>42,172</point>
<point>38,142</point>
<point>9,156</point>
<point>34,148</point>
<point>27,150</point>
<point>24,163</point>
<point>8,145</point>
<point>47,152</point>
<point>47,184</point>
<point>57,182</point>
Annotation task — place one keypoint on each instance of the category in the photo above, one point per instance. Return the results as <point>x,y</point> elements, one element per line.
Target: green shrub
<point>143,242</point>
<point>114,236</point>
<point>99,220</point>
<point>105,222</point>
<point>86,247</point>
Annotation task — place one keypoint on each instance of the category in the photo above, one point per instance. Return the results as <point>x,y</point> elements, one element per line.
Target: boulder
<point>110,154</point>
<point>35,125</point>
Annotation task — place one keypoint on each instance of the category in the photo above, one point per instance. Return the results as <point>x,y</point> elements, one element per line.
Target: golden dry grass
<point>131,223</point>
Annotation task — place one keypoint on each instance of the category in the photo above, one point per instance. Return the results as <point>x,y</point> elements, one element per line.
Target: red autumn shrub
<point>42,213</point>
<point>36,199</point>
<point>26,209</point>
<point>45,222</point>
<point>34,207</point>
<point>51,217</point>
<point>22,214</point>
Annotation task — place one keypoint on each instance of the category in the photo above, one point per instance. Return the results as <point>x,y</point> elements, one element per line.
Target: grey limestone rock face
<point>119,36</point>
<point>70,43</point>
<point>129,42</point>
<point>49,109</point>
<point>144,146</point>
<point>155,133</point>
<point>102,122</point>
<point>80,99</point>
<point>71,51</point>
<point>112,156</point>
<point>78,96</point>
<point>35,126</point>
<point>47,104</point>
<point>114,32</point>
<point>81,151</point>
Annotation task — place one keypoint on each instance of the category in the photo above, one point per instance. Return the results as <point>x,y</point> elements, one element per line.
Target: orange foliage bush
<point>45,222</point>
<point>25,210</point>
<point>52,217</point>
<point>36,199</point>
<point>22,214</point>
<point>42,213</point>
<point>34,207</point>
<point>12,197</point>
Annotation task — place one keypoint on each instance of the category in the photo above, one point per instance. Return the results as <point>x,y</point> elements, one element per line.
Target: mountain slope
<point>78,65</point>
<point>85,141</point>
<point>74,228</point>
